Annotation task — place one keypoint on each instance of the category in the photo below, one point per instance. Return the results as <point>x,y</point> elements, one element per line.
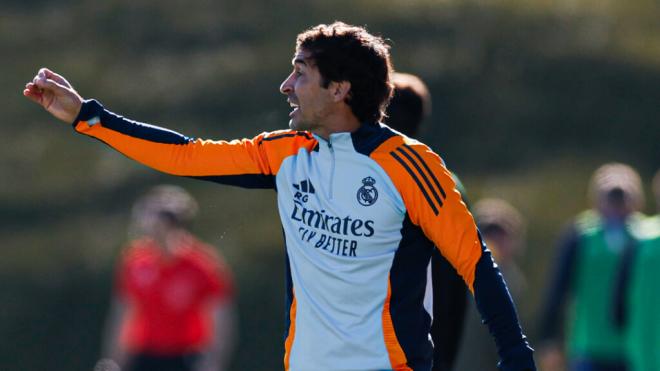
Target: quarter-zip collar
<point>367,135</point>
<point>335,142</point>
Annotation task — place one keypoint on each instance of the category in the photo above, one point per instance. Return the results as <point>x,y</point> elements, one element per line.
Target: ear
<point>340,90</point>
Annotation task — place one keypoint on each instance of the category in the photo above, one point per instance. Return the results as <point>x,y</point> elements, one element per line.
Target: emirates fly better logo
<point>326,231</point>
<point>367,194</point>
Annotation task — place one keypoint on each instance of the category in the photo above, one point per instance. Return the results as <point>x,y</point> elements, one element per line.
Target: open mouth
<point>294,106</point>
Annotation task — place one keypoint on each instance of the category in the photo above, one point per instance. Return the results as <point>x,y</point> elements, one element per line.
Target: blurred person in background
<point>503,228</point>
<point>655,187</point>
<point>586,272</point>
<point>637,304</point>
<point>173,305</point>
<point>409,108</point>
<point>362,207</point>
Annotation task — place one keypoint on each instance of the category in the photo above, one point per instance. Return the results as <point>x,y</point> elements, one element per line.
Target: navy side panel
<point>450,296</point>
<point>408,281</point>
<point>288,298</point>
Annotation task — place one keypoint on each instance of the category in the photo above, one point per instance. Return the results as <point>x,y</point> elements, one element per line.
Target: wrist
<point>90,111</point>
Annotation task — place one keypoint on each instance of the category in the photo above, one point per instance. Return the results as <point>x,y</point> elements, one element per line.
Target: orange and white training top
<point>361,213</point>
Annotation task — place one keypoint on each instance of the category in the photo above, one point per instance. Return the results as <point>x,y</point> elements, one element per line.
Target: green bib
<point>643,334</point>
<point>592,331</point>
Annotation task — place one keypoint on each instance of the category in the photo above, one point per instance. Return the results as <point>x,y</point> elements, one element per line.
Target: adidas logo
<point>305,186</point>
<point>303,190</point>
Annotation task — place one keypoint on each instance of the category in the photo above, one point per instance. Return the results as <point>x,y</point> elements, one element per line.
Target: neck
<point>339,122</point>
<point>170,239</point>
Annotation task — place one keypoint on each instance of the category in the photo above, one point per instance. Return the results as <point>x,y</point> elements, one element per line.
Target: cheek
<point>299,87</point>
<point>303,96</point>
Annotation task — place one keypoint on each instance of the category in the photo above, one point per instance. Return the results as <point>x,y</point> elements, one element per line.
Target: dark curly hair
<point>343,52</point>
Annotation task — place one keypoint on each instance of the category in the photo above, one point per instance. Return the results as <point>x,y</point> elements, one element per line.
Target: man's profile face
<point>311,102</point>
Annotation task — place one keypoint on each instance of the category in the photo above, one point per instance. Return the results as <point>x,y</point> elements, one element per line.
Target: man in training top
<point>361,207</point>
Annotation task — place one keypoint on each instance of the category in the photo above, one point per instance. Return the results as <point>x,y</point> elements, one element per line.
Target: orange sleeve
<point>433,202</point>
<point>173,153</point>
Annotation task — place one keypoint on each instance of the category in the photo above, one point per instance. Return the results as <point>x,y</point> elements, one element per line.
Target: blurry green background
<point>529,98</point>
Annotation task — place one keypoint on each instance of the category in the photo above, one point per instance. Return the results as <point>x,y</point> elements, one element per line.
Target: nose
<point>287,85</point>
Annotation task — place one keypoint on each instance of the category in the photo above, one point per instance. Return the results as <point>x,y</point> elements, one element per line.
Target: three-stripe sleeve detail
<point>435,180</point>
<point>421,187</point>
<point>420,177</point>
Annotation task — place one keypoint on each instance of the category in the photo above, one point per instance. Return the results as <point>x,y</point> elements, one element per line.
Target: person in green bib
<point>586,275</point>
<point>638,299</point>
<point>656,193</point>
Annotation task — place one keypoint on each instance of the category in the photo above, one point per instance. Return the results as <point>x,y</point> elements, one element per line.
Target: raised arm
<point>250,163</point>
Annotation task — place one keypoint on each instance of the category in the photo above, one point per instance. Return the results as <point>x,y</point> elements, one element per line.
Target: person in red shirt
<point>173,301</point>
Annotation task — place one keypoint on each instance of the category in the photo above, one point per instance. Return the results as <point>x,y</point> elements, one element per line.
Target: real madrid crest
<point>367,194</point>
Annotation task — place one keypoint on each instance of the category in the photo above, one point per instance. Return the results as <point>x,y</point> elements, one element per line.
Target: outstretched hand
<point>54,94</point>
